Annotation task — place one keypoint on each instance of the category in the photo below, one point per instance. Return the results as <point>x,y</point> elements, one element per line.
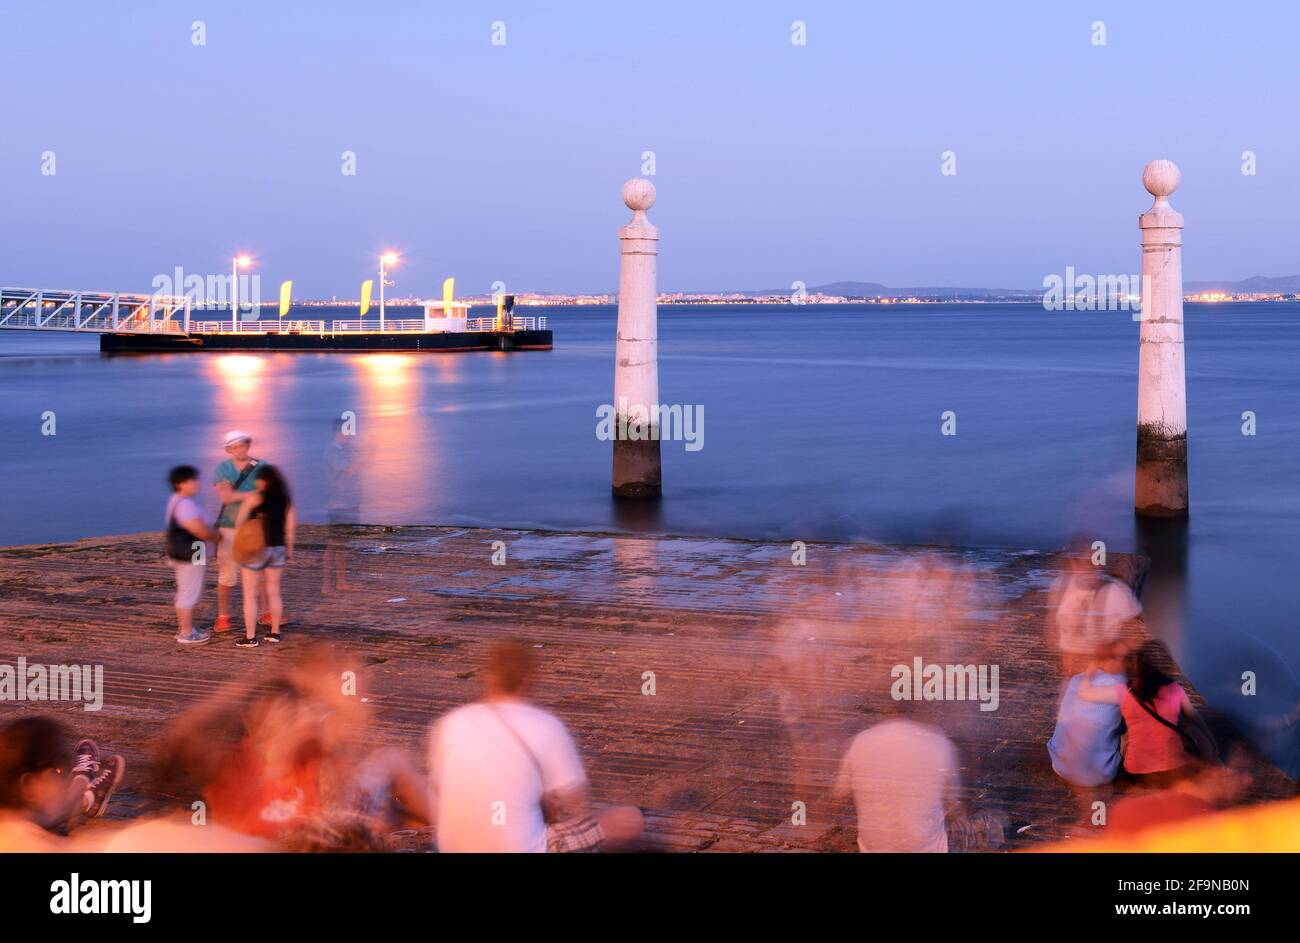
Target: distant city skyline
<point>134,149</point>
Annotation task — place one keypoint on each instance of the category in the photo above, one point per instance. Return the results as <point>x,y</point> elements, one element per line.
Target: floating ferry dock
<point>129,323</point>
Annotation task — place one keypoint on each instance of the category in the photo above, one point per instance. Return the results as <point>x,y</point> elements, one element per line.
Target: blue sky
<point>774,162</point>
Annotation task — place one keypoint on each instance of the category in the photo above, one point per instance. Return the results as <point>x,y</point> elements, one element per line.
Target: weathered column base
<point>637,472</point>
<point>1161,474</point>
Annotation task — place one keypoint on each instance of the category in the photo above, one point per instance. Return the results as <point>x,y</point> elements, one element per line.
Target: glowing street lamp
<point>238,262</point>
<point>385,260</point>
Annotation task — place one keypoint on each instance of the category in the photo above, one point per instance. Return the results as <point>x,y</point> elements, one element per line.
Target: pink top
<point>1153,747</point>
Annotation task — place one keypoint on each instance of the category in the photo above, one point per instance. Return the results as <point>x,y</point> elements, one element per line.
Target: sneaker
<point>194,639</point>
<point>222,624</point>
<point>245,642</point>
<point>87,759</point>
<point>272,637</point>
<point>103,784</point>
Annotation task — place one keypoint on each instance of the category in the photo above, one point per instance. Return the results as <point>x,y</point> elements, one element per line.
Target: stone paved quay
<point>763,670</point>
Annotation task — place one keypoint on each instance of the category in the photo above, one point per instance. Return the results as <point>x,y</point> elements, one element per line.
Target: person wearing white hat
<point>234,478</point>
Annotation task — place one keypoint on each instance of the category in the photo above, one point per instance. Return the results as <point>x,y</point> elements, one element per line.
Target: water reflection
<point>400,461</point>
<point>243,400</point>
<point>1164,592</point>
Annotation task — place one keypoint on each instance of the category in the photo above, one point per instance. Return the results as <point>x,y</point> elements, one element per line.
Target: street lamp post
<point>238,262</point>
<point>388,258</point>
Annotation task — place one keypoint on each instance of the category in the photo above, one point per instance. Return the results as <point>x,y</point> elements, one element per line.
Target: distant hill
<point>850,289</point>
<point>877,290</point>
<point>1286,284</point>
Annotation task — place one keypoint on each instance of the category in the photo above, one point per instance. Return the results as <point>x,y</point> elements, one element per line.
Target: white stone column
<point>637,472</point>
<point>1162,385</point>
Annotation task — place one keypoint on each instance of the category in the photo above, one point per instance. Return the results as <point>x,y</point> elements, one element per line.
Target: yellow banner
<point>286,289</point>
<point>365,295</point>
<point>448,291</point>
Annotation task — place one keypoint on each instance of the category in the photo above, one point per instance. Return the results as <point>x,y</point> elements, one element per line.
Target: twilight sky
<point>774,162</point>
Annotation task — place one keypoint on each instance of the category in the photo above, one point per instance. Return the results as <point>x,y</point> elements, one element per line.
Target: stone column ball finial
<point>1161,178</point>
<point>639,194</point>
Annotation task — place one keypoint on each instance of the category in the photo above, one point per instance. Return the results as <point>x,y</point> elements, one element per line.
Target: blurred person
<point>504,775</point>
<point>1085,747</point>
<point>1209,788</point>
<point>343,465</point>
<point>1158,716</point>
<point>242,771</point>
<point>903,777</point>
<point>48,788</point>
<point>185,528</point>
<point>1090,608</point>
<point>388,792</point>
<point>233,480</point>
<point>271,506</point>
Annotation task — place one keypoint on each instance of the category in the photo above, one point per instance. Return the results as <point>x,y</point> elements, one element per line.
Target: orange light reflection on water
<point>247,391</point>
<point>401,459</point>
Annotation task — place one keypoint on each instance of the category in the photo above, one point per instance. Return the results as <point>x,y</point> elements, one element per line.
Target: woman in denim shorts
<point>270,504</point>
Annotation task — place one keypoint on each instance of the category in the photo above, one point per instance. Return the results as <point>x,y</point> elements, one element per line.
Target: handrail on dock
<point>36,309</point>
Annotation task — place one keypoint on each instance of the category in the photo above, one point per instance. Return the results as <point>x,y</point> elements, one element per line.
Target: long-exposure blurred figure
<point>343,466</point>
<point>903,777</point>
<point>249,770</point>
<point>1090,609</point>
<point>1208,789</point>
<point>505,774</point>
<point>1085,747</point>
<point>47,787</point>
<point>1158,716</point>
<point>388,793</point>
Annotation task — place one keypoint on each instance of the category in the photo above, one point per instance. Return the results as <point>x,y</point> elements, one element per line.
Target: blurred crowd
<point>286,762</point>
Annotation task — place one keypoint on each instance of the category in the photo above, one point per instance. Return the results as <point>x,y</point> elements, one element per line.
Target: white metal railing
<point>293,327</point>
<point>372,326</point>
<point>258,327</point>
<point>37,309</point>
<point>519,324</point>
<point>34,309</point>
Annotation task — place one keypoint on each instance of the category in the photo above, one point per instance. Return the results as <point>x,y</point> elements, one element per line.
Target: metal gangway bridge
<point>96,312</point>
<point>100,312</point>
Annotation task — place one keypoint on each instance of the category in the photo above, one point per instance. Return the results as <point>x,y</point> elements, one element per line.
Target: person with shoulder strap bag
<point>1198,742</point>
<point>234,480</point>
<point>505,775</point>
<point>185,548</point>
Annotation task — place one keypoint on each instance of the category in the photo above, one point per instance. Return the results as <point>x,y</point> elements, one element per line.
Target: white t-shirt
<point>901,773</point>
<point>183,509</point>
<point>486,790</point>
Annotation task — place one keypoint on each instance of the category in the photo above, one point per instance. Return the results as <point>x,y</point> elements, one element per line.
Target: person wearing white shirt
<point>505,775</point>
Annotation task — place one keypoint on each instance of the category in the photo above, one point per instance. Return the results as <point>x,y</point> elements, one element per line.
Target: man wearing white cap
<point>234,478</point>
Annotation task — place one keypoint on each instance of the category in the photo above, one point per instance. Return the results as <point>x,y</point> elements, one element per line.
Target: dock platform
<point>308,342</point>
<point>763,669</point>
